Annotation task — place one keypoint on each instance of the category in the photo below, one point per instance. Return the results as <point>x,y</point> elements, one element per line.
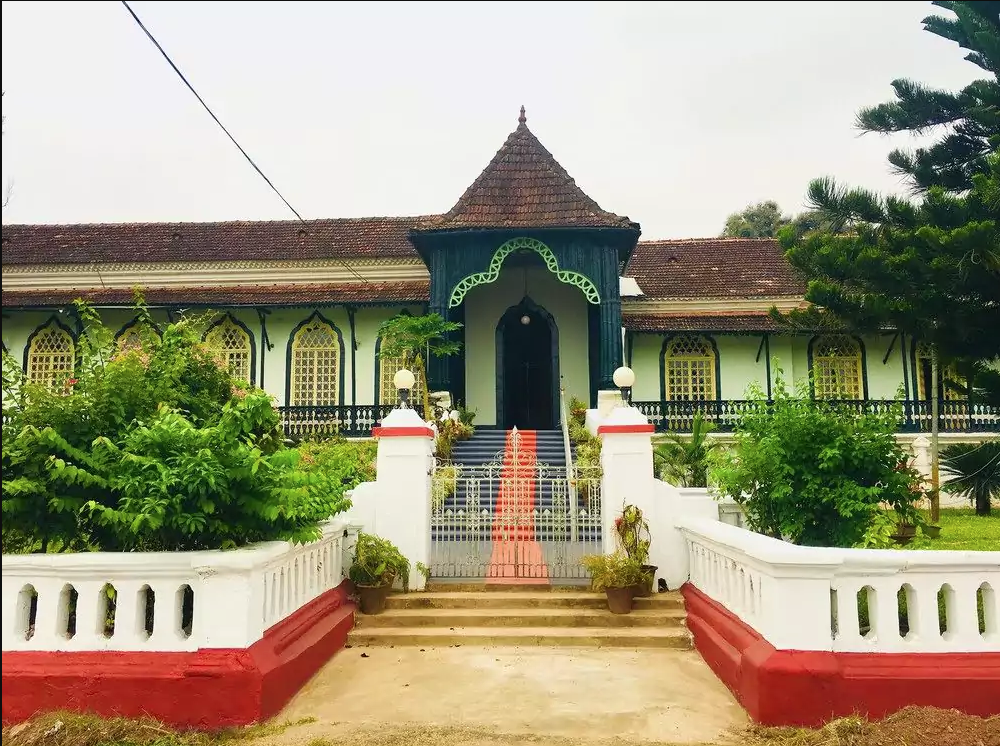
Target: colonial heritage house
<point>552,291</point>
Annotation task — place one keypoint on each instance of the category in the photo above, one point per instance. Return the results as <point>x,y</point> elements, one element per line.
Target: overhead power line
<point>223,127</point>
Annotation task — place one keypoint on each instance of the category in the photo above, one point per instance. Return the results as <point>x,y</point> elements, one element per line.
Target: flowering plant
<point>632,532</point>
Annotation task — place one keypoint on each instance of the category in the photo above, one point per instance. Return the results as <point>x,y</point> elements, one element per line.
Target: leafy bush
<point>449,433</point>
<point>378,562</point>
<point>684,461</point>
<point>443,485</point>
<point>344,463</point>
<point>154,448</point>
<point>616,570</point>
<point>817,473</point>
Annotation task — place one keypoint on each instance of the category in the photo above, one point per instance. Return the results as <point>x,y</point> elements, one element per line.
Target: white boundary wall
<point>799,598</point>
<point>237,595</point>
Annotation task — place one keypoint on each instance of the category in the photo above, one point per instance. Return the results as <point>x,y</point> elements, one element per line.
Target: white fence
<point>160,601</point>
<point>848,600</point>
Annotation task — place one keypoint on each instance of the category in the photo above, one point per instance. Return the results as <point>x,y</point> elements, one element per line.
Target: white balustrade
<point>848,600</point>
<point>165,601</point>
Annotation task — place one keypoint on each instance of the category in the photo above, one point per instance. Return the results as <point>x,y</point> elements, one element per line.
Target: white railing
<point>165,601</point>
<point>847,600</point>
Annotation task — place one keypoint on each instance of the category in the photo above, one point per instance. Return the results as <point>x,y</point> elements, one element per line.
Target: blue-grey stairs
<point>486,447</point>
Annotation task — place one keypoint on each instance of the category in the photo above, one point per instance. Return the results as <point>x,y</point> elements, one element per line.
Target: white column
<point>627,464</point>
<point>401,511</point>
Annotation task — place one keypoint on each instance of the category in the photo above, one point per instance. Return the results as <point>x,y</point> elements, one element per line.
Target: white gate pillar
<point>402,496</point>
<point>627,464</point>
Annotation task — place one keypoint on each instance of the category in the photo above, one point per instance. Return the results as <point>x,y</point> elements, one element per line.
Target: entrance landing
<point>493,696</point>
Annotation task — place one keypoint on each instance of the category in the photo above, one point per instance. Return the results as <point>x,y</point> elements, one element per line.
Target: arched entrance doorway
<point>527,343</point>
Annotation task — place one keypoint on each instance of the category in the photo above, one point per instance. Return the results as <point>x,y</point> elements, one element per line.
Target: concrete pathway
<point>473,696</point>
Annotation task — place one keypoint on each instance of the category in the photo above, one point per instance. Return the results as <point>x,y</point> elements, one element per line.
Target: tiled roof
<point>343,238</point>
<point>713,268</point>
<point>681,322</point>
<point>524,187</point>
<point>229,295</point>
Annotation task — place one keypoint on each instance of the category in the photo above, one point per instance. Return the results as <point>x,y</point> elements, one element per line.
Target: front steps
<point>520,618</point>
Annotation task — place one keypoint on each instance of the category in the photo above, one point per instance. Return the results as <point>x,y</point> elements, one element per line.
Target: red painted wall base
<point>794,687</point>
<point>207,689</point>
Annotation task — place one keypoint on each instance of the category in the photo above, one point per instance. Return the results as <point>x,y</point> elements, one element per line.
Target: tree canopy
<point>761,220</point>
<point>931,267</point>
<point>766,219</point>
<point>969,118</point>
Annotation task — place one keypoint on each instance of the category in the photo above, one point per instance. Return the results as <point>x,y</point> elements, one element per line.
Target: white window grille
<point>315,372</point>
<point>51,356</point>
<point>689,369</point>
<point>230,345</point>
<point>837,370</point>
<point>388,365</point>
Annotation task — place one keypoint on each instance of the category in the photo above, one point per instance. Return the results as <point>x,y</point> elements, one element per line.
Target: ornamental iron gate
<point>514,519</point>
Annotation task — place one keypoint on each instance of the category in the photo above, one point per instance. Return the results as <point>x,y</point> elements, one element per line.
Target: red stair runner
<point>517,555</point>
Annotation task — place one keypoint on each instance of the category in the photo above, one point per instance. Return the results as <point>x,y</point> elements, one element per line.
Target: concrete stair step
<point>510,597</point>
<point>503,618</point>
<point>619,637</point>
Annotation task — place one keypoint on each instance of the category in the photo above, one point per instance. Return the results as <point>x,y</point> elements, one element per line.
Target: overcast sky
<point>674,114</point>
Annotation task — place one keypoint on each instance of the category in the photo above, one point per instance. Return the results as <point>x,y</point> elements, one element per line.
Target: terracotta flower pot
<point>372,598</point>
<point>649,587</point>
<point>619,599</point>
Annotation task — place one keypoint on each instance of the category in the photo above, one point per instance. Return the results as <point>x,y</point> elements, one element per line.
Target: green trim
<point>516,244</point>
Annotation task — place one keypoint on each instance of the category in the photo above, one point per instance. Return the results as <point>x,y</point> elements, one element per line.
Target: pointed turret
<point>525,187</point>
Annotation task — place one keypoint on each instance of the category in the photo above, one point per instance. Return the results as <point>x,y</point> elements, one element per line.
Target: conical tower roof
<point>525,187</point>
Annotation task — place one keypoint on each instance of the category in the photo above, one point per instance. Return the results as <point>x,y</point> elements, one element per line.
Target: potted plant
<point>633,538</point>
<point>617,575</point>
<point>377,565</point>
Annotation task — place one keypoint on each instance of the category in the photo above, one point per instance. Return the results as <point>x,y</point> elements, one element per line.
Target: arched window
<point>230,344</point>
<point>130,340</point>
<point>51,354</point>
<point>946,375</point>
<point>130,336</point>
<point>837,368</point>
<point>689,369</point>
<point>315,365</point>
<point>387,367</point>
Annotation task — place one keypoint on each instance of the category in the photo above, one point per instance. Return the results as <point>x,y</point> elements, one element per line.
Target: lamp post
<point>403,381</point>
<point>624,378</point>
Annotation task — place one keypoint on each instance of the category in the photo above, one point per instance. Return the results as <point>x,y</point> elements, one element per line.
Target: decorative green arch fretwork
<point>516,244</point>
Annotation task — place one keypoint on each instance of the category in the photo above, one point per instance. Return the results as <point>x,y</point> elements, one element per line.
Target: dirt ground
<point>490,696</point>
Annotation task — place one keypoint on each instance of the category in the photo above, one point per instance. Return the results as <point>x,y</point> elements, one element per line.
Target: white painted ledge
<point>237,595</point>
<point>806,598</point>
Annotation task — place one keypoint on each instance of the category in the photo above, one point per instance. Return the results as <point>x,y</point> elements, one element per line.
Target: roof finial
<point>522,119</point>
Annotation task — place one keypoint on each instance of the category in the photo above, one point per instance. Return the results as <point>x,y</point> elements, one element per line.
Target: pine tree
<point>970,117</point>
<point>930,269</point>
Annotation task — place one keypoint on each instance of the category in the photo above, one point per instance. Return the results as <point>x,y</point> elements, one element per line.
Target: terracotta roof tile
<point>229,295</point>
<point>689,322</point>
<point>343,238</point>
<point>525,187</point>
<point>713,268</point>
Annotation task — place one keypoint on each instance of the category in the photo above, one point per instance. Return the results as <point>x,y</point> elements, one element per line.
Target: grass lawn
<point>961,528</point>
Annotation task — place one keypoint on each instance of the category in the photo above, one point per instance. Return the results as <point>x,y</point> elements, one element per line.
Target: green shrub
<point>816,473</point>
<point>449,433</point>
<point>616,570</point>
<point>577,412</point>
<point>378,562</point>
<point>443,485</point>
<point>155,448</point>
